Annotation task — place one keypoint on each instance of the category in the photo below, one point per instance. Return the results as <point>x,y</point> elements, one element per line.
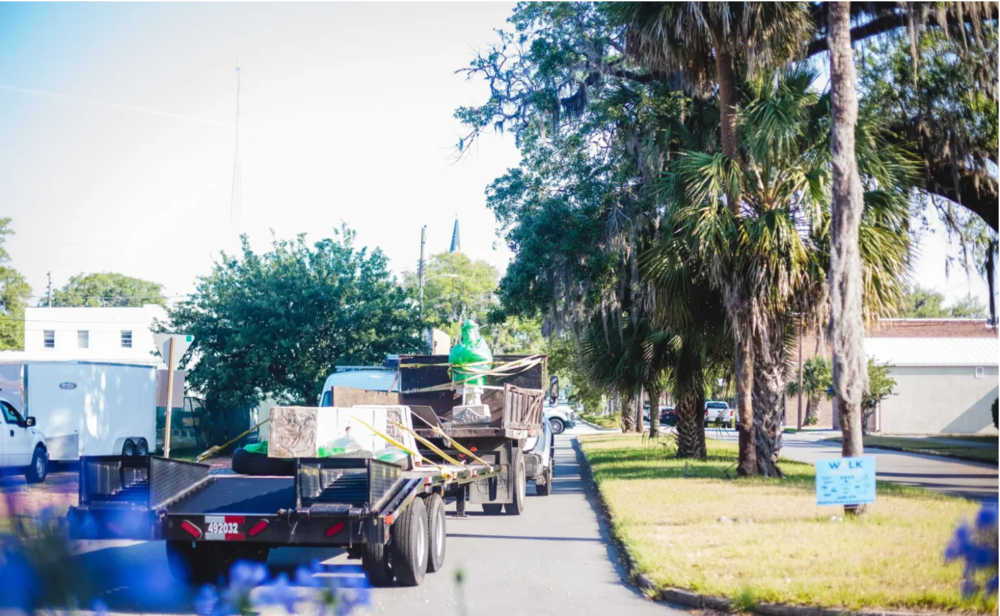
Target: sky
<point>118,124</point>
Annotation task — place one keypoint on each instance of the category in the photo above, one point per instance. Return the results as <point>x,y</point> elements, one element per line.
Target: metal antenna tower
<point>235,199</point>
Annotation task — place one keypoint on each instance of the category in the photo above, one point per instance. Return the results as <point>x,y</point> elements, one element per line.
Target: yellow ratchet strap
<point>429,445</point>
<point>389,439</point>
<point>463,449</point>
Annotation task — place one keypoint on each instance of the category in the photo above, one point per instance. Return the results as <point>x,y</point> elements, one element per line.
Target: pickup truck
<point>719,413</point>
<point>559,418</point>
<point>21,445</point>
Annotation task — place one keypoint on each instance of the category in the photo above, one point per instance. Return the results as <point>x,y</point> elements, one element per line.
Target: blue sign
<point>845,481</point>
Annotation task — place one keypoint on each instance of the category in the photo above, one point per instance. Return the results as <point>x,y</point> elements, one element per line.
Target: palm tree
<point>816,382</point>
<point>690,38</point>
<point>770,264</point>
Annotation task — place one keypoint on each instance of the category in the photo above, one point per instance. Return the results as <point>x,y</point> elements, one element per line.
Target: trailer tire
<point>128,449</point>
<point>247,463</point>
<point>409,545</point>
<point>376,560</point>
<point>492,508</point>
<point>193,563</point>
<point>39,466</point>
<point>516,507</point>
<point>437,536</point>
<point>142,448</point>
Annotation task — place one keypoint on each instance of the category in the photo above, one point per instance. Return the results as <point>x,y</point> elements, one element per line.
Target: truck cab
<point>22,446</point>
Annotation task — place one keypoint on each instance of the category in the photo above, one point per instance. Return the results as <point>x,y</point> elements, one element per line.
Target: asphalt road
<point>554,559</point>
<point>975,480</point>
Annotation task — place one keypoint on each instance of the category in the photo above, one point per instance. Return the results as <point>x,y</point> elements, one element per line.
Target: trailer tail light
<point>191,529</point>
<point>388,521</point>
<point>333,530</point>
<point>257,528</point>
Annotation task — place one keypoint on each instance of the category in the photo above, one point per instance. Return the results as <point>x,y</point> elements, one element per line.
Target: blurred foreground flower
<point>976,545</point>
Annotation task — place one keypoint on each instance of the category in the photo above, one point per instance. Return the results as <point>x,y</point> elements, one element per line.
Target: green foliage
<point>14,294</point>
<point>880,384</point>
<point>921,303</point>
<point>107,290</point>
<point>565,362</point>
<point>969,306</point>
<point>275,324</point>
<point>456,288</point>
<point>817,378</point>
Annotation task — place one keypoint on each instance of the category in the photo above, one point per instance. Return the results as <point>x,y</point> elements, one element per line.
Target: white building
<point>122,335</point>
<point>943,385</point>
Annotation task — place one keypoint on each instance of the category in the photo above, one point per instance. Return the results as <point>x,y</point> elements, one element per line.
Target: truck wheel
<point>142,448</point>
<point>436,533</point>
<point>39,466</point>
<point>557,425</point>
<point>376,560</point>
<point>409,545</point>
<point>546,488</point>
<point>492,508</point>
<point>520,489</point>
<point>128,449</point>
<point>192,563</point>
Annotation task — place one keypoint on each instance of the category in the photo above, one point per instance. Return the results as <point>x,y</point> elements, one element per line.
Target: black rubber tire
<point>246,463</point>
<point>520,488</point>
<point>437,534</point>
<point>142,448</point>
<point>39,468</point>
<point>409,545</point>
<point>128,448</point>
<point>193,563</point>
<point>546,488</point>
<point>376,560</point>
<point>492,508</point>
<point>558,426</point>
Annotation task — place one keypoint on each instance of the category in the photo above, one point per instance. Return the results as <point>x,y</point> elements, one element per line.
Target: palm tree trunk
<point>850,374</point>
<point>627,415</point>
<point>747,465</point>
<point>654,409</point>
<point>690,422</point>
<point>727,109</point>
<point>768,390</point>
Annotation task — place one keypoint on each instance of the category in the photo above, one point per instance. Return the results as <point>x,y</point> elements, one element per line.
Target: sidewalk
<point>974,480</point>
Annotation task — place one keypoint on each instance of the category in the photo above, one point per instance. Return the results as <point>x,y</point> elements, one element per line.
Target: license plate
<point>224,528</point>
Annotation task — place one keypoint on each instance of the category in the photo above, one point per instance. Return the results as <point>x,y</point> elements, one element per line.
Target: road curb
<point>698,601</point>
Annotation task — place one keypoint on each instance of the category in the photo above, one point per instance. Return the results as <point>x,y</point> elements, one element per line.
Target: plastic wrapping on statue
<point>470,356</point>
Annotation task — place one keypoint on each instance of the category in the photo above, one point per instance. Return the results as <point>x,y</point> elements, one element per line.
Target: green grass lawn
<point>781,547</point>
<point>604,421</point>
<point>916,445</point>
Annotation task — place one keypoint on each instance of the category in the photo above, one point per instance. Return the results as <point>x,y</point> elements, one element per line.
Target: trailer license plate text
<point>223,528</point>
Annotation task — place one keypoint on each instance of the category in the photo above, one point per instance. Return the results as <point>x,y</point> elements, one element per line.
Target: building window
<point>50,339</point>
<point>83,339</point>
<point>979,373</point>
<point>126,339</point>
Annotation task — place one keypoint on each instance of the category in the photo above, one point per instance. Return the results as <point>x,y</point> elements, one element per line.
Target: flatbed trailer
<point>390,518</point>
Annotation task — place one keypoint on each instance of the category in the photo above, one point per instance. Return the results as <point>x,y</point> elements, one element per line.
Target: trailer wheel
<point>436,533</point>
<point>409,545</point>
<point>193,563</point>
<point>128,449</point>
<point>492,508</point>
<point>520,488</point>
<point>376,560</point>
<point>39,466</point>
<point>142,448</point>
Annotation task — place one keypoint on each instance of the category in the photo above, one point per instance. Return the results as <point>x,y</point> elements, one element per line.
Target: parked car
<point>539,463</point>
<point>668,416</point>
<point>717,412</point>
<point>559,418</point>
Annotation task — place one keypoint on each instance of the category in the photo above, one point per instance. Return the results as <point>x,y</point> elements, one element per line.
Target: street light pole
<point>420,269</point>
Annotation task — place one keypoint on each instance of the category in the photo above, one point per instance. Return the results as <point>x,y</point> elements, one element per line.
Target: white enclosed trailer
<point>85,408</point>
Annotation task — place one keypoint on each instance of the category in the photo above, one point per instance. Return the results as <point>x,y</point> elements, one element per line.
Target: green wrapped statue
<point>469,356</point>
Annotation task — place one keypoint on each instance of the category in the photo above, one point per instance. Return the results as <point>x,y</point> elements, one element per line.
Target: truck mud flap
<point>120,496</point>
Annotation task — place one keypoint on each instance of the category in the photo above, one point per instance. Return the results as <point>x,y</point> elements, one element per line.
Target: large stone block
<point>299,431</point>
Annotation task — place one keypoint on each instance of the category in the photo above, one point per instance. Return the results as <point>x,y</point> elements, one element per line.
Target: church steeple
<point>456,239</point>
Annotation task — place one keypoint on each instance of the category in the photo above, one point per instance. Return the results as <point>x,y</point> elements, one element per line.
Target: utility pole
<point>801,328</point>
<point>49,291</point>
<point>420,268</point>
<point>170,399</point>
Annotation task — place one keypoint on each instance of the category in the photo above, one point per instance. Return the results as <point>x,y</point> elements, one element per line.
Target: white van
<point>85,408</point>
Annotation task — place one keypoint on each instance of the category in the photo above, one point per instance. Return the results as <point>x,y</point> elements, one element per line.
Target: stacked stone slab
<point>299,431</point>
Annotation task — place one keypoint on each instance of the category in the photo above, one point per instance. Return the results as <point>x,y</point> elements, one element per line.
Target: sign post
<point>172,347</point>
<point>845,481</point>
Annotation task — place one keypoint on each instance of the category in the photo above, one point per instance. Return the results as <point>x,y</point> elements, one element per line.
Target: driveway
<point>554,559</point>
<point>975,480</point>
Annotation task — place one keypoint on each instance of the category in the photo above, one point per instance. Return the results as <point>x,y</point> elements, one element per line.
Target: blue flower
<point>987,517</point>
<point>206,601</point>
<point>278,592</point>
<point>100,607</point>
